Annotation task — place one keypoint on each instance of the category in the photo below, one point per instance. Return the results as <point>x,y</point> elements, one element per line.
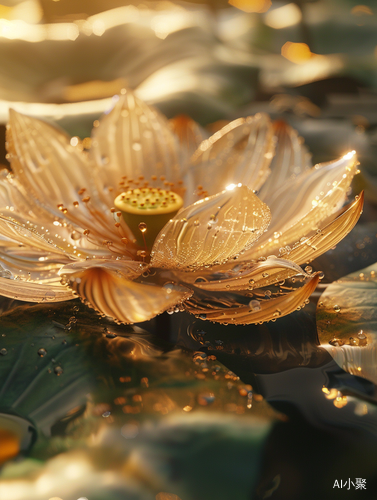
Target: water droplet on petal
<point>75,235</point>
<point>336,308</point>
<point>50,295</point>
<point>255,305</point>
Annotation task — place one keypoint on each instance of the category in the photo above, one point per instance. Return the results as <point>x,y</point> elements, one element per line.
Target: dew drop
<point>362,338</point>
<point>75,235</point>
<point>200,280</point>
<point>111,335</point>
<point>255,305</point>
<point>265,275</point>
<point>336,342</point>
<point>142,227</point>
<point>199,356</point>
<point>308,269</point>
<point>196,223</point>
<point>50,295</point>
<point>42,352</point>
<point>58,370</point>
<point>336,308</point>
<point>3,351</point>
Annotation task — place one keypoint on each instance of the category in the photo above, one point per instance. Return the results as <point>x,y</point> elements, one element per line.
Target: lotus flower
<point>138,225</point>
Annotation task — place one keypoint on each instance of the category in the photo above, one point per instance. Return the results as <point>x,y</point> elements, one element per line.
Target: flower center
<point>147,210</point>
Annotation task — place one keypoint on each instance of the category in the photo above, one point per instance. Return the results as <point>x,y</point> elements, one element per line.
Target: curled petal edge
<point>269,309</point>
<point>124,300</point>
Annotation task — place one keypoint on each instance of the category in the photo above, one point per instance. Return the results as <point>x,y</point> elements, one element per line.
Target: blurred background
<point>313,62</point>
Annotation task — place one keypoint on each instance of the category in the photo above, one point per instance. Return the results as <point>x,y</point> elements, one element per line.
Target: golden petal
<point>307,249</point>
<point>129,269</point>
<point>302,205</point>
<point>30,264</point>
<point>34,292</point>
<point>133,140</point>
<point>211,231</point>
<point>52,172</point>
<point>124,300</point>
<point>291,159</point>
<point>262,311</point>
<point>44,162</point>
<point>253,276</point>
<point>240,152</point>
<point>11,229</point>
<point>190,134</point>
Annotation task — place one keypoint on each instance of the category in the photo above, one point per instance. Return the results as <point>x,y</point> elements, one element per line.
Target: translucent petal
<point>52,172</point>
<point>28,236</point>
<point>125,268</point>
<point>266,311</point>
<point>30,264</point>
<point>240,152</point>
<point>291,159</point>
<point>34,292</point>
<point>307,249</point>
<point>211,231</point>
<point>252,276</point>
<point>126,301</point>
<point>42,158</point>
<point>133,140</point>
<point>300,206</point>
<point>347,317</point>
<point>190,135</point>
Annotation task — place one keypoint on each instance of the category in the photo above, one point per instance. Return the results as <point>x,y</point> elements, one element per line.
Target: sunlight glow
<point>282,17</point>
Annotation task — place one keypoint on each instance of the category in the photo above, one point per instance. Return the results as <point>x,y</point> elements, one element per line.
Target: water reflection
<point>127,412</point>
<point>138,416</point>
<point>285,364</point>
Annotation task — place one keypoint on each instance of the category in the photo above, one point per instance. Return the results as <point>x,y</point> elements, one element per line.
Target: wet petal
<point>265,310</point>
<point>27,263</point>
<point>11,229</point>
<point>240,152</point>
<point>124,300</point>
<point>291,159</point>
<point>133,140</point>
<point>34,292</point>
<point>300,207</point>
<point>50,169</point>
<point>252,276</point>
<point>211,231</point>
<point>347,322</point>
<point>53,173</point>
<point>307,249</point>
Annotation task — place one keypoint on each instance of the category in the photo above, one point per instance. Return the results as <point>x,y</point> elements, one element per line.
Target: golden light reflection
<point>360,10</point>
<point>282,17</point>
<point>173,19</point>
<point>297,53</point>
<point>259,6</point>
